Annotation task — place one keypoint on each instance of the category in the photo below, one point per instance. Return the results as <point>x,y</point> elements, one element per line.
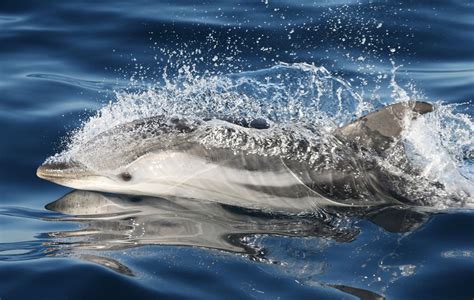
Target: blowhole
<point>125,176</point>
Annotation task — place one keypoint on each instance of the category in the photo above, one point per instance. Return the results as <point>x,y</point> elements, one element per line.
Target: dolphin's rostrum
<point>252,164</point>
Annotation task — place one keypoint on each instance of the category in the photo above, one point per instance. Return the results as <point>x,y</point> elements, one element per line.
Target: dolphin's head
<point>152,173</point>
<point>116,159</point>
<point>78,176</point>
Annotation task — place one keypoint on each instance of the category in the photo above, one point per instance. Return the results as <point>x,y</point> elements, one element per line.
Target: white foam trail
<point>437,144</point>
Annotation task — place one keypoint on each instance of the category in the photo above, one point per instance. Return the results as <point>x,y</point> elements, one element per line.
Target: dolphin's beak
<point>61,171</point>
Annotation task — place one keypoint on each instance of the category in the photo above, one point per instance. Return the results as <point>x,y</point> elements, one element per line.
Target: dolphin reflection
<point>112,221</point>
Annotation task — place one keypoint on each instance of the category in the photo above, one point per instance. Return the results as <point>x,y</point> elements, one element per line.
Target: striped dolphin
<point>253,164</point>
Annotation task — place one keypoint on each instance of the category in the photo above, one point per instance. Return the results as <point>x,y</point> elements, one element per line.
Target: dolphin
<point>254,164</point>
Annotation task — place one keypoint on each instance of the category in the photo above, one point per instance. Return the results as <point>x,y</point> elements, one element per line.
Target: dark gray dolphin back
<point>378,130</point>
<point>358,180</point>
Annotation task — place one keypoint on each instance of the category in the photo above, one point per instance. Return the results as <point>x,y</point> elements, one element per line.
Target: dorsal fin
<point>378,130</point>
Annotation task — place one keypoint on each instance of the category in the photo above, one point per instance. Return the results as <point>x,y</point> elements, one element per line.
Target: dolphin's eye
<point>125,176</point>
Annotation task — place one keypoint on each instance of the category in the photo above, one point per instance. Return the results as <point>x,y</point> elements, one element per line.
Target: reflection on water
<point>116,221</point>
<point>93,226</point>
<point>110,222</point>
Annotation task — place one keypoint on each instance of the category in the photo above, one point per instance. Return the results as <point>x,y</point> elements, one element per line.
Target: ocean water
<point>71,70</point>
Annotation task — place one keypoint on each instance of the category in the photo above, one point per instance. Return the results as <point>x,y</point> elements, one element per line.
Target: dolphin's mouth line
<point>55,173</point>
<point>46,175</point>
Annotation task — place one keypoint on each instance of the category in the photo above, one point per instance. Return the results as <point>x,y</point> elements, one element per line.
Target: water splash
<point>300,95</point>
<point>441,145</point>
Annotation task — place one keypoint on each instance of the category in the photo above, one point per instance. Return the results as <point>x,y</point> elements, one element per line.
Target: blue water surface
<point>62,60</point>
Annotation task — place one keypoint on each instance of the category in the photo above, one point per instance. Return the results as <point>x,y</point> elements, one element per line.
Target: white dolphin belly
<point>174,173</point>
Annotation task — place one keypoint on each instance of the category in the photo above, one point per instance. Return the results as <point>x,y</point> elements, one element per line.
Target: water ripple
<point>82,83</point>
